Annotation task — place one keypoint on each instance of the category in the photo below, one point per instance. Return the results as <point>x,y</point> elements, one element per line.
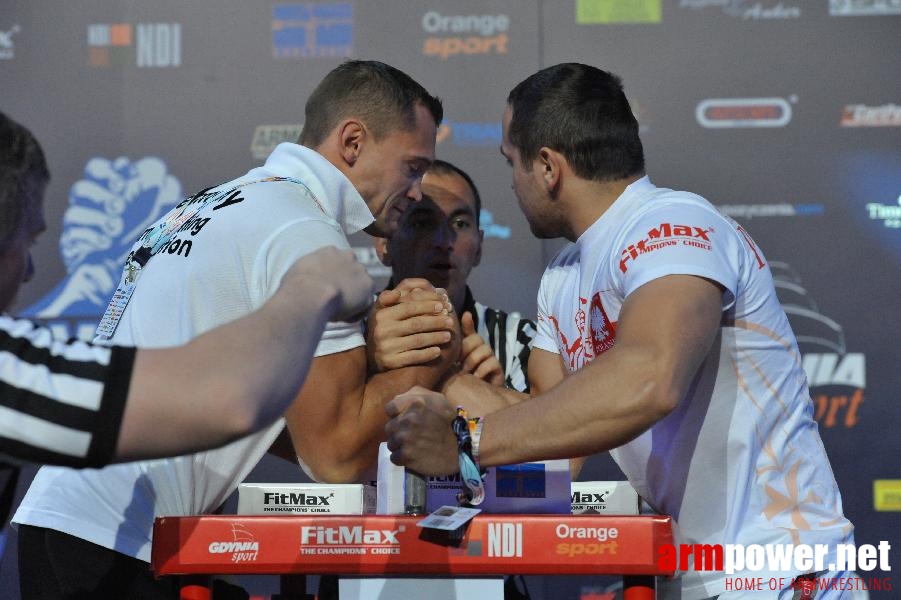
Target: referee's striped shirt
<point>510,336</point>
<point>61,402</point>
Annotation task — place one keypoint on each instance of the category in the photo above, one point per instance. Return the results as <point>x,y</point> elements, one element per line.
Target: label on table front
<point>489,544</point>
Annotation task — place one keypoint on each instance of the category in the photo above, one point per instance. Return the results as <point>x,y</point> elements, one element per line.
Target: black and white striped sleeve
<point>510,336</point>
<point>61,402</point>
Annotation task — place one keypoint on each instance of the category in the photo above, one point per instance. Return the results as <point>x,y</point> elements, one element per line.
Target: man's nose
<point>414,193</point>
<point>444,237</point>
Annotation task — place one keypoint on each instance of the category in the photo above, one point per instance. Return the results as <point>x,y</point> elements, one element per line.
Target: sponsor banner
<point>784,209</point>
<point>144,45</point>
<point>887,494</point>
<point>471,133</point>
<point>606,12</point>
<point>385,545</point>
<point>267,137</point>
<point>864,8</point>
<point>604,497</point>
<point>749,10</point>
<point>313,30</point>
<point>305,498</point>
<point>862,115</point>
<point>734,113</point>
<point>109,207</point>
<point>452,35</point>
<point>7,47</point>
<point>837,378</point>
<point>888,214</point>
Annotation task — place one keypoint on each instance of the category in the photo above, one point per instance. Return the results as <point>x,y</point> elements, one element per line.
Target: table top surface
<point>490,544</point>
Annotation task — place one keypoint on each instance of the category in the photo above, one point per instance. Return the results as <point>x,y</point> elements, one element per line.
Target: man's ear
<point>550,164</point>
<point>352,134</point>
<point>381,249</point>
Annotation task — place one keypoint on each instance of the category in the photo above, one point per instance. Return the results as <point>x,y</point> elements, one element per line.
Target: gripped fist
<point>419,433</point>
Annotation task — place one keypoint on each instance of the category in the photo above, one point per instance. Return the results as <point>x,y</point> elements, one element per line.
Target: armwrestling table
<point>380,545</point>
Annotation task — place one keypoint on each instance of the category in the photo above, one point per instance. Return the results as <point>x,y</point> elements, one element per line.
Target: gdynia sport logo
<point>773,559</point>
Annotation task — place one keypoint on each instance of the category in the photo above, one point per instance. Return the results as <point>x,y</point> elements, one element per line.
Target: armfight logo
<point>108,209</point>
<point>267,137</point>
<point>735,113</point>
<point>837,378</point>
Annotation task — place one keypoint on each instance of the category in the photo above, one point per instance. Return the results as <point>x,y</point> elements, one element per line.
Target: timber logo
<point>735,113</point>
<point>108,209</point>
<point>836,377</point>
<point>665,235</point>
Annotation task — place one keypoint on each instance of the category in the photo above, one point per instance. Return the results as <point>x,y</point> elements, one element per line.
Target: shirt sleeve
<point>546,331</point>
<point>61,402</point>
<point>680,240</point>
<point>291,242</point>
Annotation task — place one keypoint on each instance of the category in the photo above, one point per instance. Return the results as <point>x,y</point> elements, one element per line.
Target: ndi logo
<point>312,30</point>
<point>108,209</point>
<point>146,45</point>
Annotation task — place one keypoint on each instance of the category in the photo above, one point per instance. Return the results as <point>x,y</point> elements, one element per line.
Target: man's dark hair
<point>23,172</point>
<point>581,112</point>
<point>442,167</point>
<point>383,97</point>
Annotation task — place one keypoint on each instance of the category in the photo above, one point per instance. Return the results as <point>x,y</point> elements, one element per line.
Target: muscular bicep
<point>545,370</point>
<point>667,327</point>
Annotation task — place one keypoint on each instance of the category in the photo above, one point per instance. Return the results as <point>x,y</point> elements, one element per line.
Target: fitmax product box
<point>305,499</point>
<point>604,498</point>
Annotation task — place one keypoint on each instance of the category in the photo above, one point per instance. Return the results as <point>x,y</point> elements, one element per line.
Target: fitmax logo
<point>589,498</point>
<point>666,234</point>
<point>327,536</point>
<point>296,499</point>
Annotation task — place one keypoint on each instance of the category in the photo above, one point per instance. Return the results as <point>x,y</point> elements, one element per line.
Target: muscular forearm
<point>478,396</point>
<point>338,420</point>
<point>577,417</point>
